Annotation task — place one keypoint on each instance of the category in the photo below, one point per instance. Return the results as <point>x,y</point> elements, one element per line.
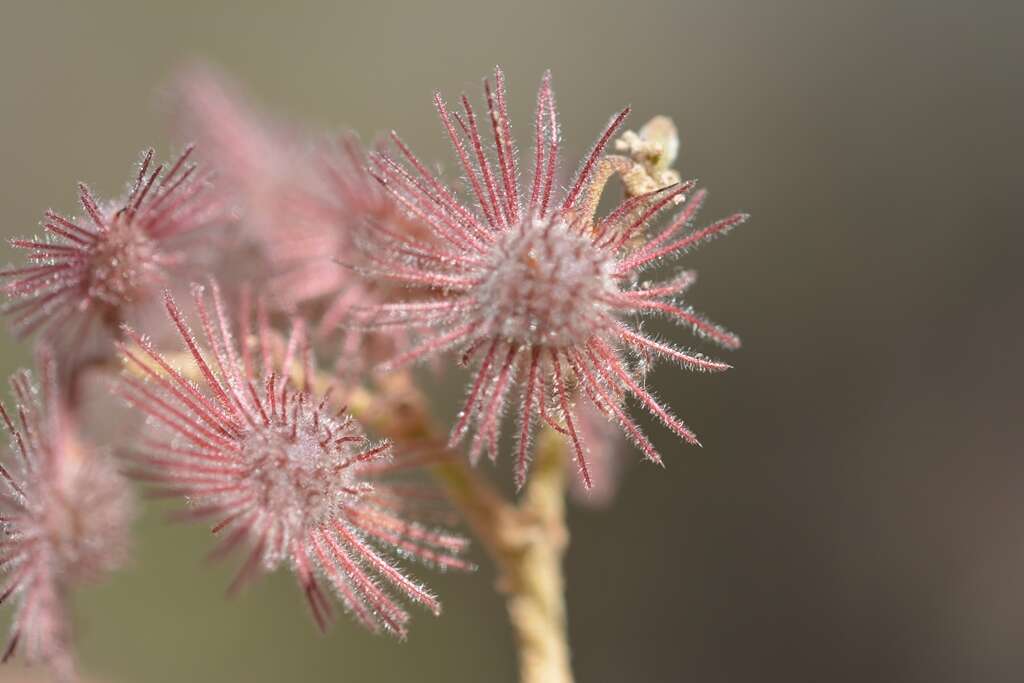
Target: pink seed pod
<point>360,210</point>
<point>532,287</point>
<point>109,261</point>
<point>277,469</point>
<point>66,520</point>
<point>300,201</point>
<point>268,173</point>
<point>263,167</point>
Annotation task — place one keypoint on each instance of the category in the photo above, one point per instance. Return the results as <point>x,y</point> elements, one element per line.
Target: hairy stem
<point>526,541</point>
<point>536,597</point>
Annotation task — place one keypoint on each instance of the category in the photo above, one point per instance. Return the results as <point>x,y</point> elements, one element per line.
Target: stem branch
<point>527,541</point>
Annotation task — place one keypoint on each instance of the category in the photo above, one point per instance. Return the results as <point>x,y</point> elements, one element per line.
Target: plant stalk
<point>526,541</point>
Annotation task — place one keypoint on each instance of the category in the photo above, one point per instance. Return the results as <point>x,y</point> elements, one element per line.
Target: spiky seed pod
<point>66,518</point>
<point>97,266</point>
<point>300,205</point>
<point>534,288</point>
<point>262,166</point>
<point>358,206</point>
<point>277,469</point>
<point>269,173</point>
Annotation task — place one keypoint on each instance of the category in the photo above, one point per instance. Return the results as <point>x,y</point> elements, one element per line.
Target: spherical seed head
<point>278,469</point>
<point>67,514</point>
<point>300,207</point>
<point>85,513</point>
<point>546,286</point>
<point>298,477</point>
<point>103,263</point>
<point>121,266</point>
<point>532,285</point>
<point>77,505</point>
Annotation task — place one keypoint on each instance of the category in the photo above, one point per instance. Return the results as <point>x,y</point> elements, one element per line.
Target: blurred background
<point>857,512</point>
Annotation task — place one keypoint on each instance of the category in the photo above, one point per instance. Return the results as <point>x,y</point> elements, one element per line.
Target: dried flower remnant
<point>532,286</point>
<point>277,469</point>
<point>653,150</point>
<point>98,265</point>
<point>66,519</point>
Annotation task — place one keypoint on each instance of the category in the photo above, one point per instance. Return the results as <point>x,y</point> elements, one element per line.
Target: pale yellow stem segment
<point>526,541</point>
<point>536,596</point>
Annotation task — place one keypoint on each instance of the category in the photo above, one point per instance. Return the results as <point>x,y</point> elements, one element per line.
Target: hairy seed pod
<point>532,286</point>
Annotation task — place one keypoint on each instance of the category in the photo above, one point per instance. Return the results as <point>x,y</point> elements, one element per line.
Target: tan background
<point>858,510</point>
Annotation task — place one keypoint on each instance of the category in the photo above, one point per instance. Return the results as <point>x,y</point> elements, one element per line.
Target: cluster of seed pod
<point>325,252</point>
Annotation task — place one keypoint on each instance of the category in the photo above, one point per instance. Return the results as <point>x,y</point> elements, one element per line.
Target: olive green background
<point>857,512</point>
